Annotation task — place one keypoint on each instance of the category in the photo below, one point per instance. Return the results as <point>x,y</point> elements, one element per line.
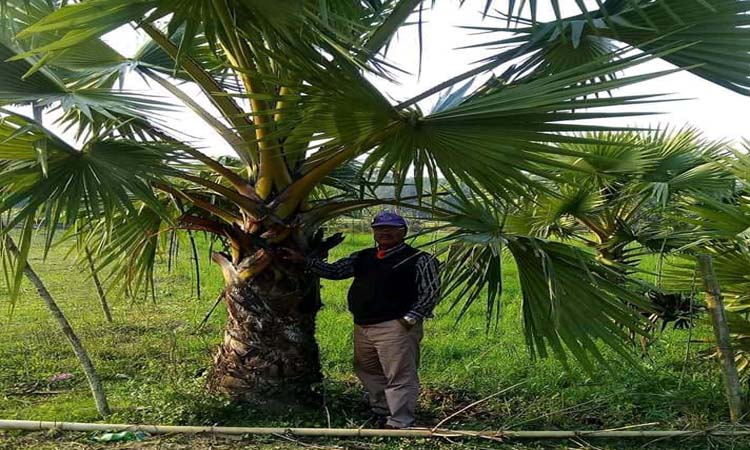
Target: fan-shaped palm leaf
<point>571,303</point>
<point>717,29</point>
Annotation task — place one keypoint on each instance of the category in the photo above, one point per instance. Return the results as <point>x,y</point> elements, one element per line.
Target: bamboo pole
<point>715,303</point>
<point>97,390</point>
<point>32,425</point>
<point>99,288</point>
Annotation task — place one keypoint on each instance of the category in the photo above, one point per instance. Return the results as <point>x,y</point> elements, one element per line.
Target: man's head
<point>388,229</point>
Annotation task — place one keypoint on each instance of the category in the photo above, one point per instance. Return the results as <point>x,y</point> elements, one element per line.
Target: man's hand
<point>407,322</point>
<point>291,255</point>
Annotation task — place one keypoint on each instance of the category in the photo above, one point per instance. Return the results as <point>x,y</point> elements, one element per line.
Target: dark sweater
<point>383,289</point>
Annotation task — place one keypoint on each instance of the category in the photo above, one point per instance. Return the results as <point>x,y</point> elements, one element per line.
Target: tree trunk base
<point>269,355</point>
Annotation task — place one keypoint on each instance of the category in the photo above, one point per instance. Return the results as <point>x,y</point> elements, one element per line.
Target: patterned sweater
<point>427,278</point>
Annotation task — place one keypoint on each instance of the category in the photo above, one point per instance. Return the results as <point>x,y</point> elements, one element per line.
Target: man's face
<point>387,237</point>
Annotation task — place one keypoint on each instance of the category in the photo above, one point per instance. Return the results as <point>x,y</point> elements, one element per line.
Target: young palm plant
<point>290,92</point>
<point>719,228</point>
<point>624,213</point>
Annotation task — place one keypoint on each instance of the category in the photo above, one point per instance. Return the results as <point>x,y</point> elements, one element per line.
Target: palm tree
<point>719,228</point>
<point>628,214</point>
<point>625,213</point>
<point>290,86</point>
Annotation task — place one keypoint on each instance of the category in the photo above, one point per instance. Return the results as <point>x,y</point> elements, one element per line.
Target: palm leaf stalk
<point>99,288</point>
<point>312,139</point>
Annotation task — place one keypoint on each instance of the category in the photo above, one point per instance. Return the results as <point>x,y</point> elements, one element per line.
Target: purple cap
<point>388,219</point>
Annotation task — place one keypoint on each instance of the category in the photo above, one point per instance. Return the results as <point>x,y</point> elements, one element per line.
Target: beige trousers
<point>386,359</point>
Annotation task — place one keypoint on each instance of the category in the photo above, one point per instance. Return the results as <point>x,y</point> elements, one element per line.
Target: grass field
<point>152,360</point>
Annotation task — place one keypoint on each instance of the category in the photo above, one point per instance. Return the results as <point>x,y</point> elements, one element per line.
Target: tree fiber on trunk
<point>269,353</point>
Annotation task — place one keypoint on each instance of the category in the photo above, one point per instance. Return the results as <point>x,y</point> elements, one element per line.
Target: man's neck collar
<point>395,248</point>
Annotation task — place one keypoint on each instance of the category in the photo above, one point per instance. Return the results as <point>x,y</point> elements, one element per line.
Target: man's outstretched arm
<point>428,287</point>
<point>339,270</point>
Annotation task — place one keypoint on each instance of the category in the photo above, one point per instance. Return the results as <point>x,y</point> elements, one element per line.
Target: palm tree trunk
<point>269,354</point>
<point>715,303</point>
<point>95,383</point>
<point>99,288</point>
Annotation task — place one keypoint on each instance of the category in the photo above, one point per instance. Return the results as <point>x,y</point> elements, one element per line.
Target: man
<point>395,287</point>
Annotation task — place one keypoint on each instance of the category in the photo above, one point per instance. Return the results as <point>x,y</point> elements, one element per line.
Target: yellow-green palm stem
<point>295,194</point>
<point>228,108</point>
<point>253,209</point>
<point>290,199</point>
<point>234,179</point>
<point>200,203</point>
<point>273,170</point>
<point>600,233</point>
<point>280,105</point>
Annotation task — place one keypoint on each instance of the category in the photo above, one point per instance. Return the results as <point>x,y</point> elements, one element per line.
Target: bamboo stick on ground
<point>32,425</point>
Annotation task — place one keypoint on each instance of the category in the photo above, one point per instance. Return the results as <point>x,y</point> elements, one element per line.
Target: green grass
<point>152,361</point>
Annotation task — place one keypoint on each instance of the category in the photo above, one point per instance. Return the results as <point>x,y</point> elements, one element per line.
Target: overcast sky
<point>720,113</point>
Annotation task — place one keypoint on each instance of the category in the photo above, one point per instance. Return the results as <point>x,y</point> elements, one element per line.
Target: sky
<point>720,113</point>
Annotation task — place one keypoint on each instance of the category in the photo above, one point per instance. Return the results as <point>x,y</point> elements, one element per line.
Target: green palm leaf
<point>571,304</point>
<point>496,139</point>
<point>99,182</point>
<point>127,246</point>
<point>101,178</point>
<point>14,88</point>
<point>622,196</point>
<point>82,107</point>
<point>92,63</point>
<point>717,28</point>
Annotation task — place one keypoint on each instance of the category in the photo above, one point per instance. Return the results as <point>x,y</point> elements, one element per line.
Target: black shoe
<point>377,420</point>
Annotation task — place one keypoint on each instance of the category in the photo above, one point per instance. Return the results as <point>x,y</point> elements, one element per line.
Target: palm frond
<point>572,305</point>
<point>496,139</point>
<point>60,181</point>
<point>81,106</point>
<point>126,246</point>
<point>718,218</point>
<point>383,33</point>
<point>15,87</point>
<point>717,28</point>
